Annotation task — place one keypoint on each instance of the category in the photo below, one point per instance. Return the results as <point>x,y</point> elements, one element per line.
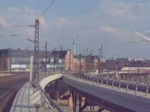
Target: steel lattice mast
<point>36,54</point>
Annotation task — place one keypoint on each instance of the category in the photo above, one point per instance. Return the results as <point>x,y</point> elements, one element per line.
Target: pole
<point>80,63</point>
<point>74,42</point>
<point>10,54</point>
<point>45,57</point>
<point>91,52</point>
<point>61,59</point>
<point>36,54</point>
<point>87,51</point>
<point>31,70</point>
<point>102,51</point>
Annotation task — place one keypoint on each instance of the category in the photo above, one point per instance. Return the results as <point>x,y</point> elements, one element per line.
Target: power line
<point>122,44</point>
<point>18,25</point>
<point>8,35</point>
<point>15,34</point>
<point>47,8</point>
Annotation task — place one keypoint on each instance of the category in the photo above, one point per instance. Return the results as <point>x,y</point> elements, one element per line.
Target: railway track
<point>8,88</point>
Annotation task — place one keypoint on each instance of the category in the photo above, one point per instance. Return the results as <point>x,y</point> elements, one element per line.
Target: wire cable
<point>15,34</point>
<point>18,25</point>
<point>47,8</point>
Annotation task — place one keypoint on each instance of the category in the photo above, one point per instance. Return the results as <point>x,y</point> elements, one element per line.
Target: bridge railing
<point>113,83</point>
<point>48,104</point>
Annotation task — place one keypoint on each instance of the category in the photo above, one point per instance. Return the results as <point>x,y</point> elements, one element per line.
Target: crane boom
<point>142,36</point>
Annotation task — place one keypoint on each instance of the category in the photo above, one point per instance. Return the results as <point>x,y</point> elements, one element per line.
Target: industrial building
<point>19,59</point>
<point>16,59</point>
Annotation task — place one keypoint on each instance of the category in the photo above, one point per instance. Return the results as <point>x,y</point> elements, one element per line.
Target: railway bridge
<point>111,94</point>
<point>87,90</point>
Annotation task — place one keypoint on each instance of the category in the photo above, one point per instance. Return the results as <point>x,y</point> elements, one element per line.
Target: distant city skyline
<point>98,22</point>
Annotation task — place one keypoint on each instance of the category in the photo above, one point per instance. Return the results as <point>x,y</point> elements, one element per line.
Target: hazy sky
<point>97,22</point>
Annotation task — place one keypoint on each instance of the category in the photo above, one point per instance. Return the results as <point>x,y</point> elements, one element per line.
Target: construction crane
<point>142,36</point>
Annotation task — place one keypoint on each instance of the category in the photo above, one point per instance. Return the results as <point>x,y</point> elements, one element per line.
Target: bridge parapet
<point>44,75</point>
<point>48,103</point>
<point>106,89</point>
<point>134,87</point>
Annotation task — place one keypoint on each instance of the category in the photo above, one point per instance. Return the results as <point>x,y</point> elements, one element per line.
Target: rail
<point>7,93</point>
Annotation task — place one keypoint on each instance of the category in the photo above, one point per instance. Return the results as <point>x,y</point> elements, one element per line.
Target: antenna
<point>87,51</point>
<point>91,52</point>
<point>101,52</point>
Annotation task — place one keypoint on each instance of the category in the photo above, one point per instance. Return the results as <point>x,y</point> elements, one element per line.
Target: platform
<point>26,100</point>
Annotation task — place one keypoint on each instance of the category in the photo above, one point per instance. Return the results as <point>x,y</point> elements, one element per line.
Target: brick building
<point>68,60</point>
<point>111,65</point>
<point>81,62</point>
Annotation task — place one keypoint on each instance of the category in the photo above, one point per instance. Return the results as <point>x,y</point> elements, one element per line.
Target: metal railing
<point>48,103</point>
<point>112,83</point>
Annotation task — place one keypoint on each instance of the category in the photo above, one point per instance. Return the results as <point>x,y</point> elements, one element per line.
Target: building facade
<point>17,59</point>
<point>81,62</point>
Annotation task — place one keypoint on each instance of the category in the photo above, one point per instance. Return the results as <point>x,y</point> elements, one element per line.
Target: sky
<point>110,23</point>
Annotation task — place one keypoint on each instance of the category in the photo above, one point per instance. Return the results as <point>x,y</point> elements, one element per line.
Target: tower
<point>74,42</point>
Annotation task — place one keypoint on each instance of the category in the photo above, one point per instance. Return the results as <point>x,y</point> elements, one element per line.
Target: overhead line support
<point>36,54</point>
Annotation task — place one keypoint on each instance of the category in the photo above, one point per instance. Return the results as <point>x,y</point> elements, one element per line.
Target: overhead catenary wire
<point>8,35</point>
<point>46,9</point>
<point>17,25</point>
<point>132,39</point>
<point>15,34</point>
<point>122,44</point>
